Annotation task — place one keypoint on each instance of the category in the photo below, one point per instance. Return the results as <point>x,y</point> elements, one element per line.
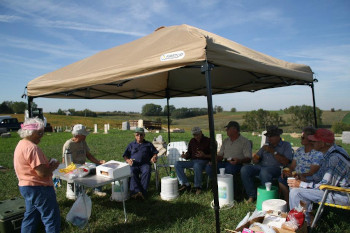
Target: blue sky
<point>38,37</point>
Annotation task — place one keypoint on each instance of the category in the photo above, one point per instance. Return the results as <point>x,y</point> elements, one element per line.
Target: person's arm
<point>127,156</point>
<point>93,159</point>
<point>313,169</point>
<point>45,170</point>
<point>154,158</point>
<point>277,155</point>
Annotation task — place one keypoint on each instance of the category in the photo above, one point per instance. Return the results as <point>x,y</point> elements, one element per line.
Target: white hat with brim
<point>79,129</point>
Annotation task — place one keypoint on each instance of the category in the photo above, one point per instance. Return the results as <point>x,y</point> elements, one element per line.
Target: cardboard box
<point>113,169</point>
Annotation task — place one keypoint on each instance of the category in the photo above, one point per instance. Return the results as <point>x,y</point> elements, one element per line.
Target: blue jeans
<point>229,168</point>
<point>141,175</point>
<point>313,195</point>
<point>198,166</point>
<point>266,174</point>
<point>41,204</point>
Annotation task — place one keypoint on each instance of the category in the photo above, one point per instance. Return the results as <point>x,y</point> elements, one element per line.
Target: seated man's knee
<point>245,170</point>
<point>265,175</point>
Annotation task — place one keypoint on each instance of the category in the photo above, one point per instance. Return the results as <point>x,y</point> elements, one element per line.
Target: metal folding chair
<point>323,202</point>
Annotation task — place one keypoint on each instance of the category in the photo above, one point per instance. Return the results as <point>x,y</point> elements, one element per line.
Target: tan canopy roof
<point>169,59</point>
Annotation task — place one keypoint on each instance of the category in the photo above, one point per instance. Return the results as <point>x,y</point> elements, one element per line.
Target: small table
<point>92,181</point>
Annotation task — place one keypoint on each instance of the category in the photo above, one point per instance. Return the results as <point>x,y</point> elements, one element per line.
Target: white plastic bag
<point>80,212</point>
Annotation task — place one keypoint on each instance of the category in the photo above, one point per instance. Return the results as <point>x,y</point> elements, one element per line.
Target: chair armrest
<point>334,188</point>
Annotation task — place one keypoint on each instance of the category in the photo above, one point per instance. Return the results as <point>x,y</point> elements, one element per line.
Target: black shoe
<point>184,188</point>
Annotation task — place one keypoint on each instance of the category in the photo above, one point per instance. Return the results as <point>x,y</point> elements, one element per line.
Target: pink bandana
<point>33,126</point>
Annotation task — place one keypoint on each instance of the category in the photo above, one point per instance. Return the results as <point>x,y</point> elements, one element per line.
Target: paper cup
<point>222,171</point>
<point>291,178</point>
<point>268,186</point>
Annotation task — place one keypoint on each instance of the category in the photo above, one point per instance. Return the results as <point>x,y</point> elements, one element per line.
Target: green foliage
<point>260,119</point>
<point>151,110</point>
<point>303,116</point>
<point>171,110</point>
<point>13,107</point>
<point>339,127</point>
<point>233,110</point>
<point>189,112</point>
<point>218,108</point>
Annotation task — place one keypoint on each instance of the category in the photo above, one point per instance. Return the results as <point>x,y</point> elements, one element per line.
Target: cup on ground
<point>222,171</point>
<point>268,186</point>
<point>290,179</point>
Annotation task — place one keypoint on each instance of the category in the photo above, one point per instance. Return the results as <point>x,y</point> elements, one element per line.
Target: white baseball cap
<point>79,129</point>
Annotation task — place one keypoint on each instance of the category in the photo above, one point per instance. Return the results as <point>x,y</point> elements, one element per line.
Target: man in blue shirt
<point>139,155</point>
<point>334,170</point>
<point>267,161</point>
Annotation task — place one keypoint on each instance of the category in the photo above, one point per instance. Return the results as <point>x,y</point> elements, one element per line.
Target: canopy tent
<point>168,63</point>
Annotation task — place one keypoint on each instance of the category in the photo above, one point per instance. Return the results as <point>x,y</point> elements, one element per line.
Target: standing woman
<point>34,173</point>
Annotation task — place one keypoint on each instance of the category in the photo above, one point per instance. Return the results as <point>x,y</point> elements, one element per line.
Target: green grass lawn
<point>188,213</point>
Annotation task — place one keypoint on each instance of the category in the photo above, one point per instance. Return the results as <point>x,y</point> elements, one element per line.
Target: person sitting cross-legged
<point>198,153</point>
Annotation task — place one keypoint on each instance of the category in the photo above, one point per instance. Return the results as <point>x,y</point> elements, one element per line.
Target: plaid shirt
<point>335,170</point>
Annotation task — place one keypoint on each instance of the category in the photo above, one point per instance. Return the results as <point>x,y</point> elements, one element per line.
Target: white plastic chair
<point>173,154</point>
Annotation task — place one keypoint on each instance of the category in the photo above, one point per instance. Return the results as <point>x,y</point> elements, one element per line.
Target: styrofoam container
<point>113,169</point>
<point>275,204</point>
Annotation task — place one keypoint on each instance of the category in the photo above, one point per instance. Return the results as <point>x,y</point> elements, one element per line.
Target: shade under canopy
<point>164,64</point>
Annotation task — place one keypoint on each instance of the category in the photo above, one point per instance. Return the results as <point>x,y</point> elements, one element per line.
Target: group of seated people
<point>318,161</point>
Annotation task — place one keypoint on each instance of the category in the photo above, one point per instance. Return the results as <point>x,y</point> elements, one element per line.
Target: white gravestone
<point>346,137</point>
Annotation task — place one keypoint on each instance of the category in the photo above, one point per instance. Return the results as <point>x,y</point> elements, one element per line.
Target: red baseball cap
<point>323,135</point>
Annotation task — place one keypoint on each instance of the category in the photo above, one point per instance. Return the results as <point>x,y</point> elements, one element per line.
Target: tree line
<point>256,120</point>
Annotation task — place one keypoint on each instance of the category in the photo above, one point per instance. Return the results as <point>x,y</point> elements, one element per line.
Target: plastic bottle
<point>67,157</point>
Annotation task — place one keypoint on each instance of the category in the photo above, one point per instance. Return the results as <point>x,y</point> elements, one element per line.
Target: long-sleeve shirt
<point>335,169</point>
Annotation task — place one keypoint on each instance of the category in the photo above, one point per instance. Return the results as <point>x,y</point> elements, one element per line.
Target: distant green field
<point>346,118</point>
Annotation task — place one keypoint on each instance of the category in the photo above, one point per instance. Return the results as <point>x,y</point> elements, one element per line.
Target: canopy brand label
<point>172,56</point>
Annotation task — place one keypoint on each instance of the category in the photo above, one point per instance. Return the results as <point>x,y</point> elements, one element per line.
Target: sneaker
<point>184,188</point>
<point>99,193</point>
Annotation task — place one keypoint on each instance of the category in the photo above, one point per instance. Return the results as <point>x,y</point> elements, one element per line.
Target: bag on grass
<point>80,212</point>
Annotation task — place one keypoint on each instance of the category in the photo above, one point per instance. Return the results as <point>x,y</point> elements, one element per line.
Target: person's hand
<point>269,149</point>
<point>130,161</point>
<point>286,172</point>
<point>53,164</point>
<point>102,161</point>
<point>234,161</point>
<point>183,155</point>
<point>294,183</point>
<point>154,159</point>
<point>199,154</point>
<point>256,158</point>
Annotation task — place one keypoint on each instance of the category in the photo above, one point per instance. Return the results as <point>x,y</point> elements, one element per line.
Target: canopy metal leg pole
<point>206,68</point>
<point>314,103</point>
<point>168,112</point>
<point>30,109</point>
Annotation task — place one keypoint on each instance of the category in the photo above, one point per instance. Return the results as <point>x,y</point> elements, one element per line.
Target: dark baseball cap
<point>273,131</point>
<point>233,124</point>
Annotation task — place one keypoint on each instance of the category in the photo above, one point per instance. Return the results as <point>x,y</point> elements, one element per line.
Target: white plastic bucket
<point>225,189</point>
<point>169,188</point>
<point>120,190</point>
